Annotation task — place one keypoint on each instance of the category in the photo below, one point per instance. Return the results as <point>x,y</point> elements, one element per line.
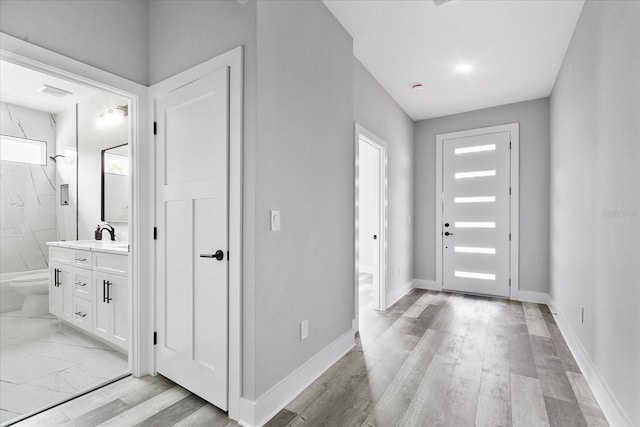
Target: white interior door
<point>476,214</point>
<point>369,214</point>
<point>192,246</point>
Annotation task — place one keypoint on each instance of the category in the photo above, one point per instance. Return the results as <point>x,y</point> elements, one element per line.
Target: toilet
<point>35,288</point>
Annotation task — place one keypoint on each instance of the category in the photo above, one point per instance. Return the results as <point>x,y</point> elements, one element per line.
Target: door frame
<point>377,142</point>
<point>514,130</point>
<point>232,59</point>
<point>36,58</point>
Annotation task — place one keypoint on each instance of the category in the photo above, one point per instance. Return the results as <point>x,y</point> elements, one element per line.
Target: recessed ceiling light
<point>464,68</point>
<point>54,91</point>
<point>417,88</point>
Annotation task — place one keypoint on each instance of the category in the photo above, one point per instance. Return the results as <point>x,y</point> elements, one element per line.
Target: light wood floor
<point>433,359</point>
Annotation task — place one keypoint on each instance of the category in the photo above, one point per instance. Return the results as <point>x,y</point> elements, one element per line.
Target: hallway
<point>431,359</point>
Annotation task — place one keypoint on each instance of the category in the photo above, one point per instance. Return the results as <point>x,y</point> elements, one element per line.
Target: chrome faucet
<point>111,230</point>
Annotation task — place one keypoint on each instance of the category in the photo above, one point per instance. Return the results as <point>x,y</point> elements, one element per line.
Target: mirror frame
<point>102,177</point>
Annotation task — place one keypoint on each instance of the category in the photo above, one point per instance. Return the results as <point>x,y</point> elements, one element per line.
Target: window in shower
<point>23,150</point>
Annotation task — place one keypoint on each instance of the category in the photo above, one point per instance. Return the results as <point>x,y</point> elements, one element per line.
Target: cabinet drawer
<point>111,263</point>
<point>60,255</point>
<point>82,280</point>
<point>83,314</point>
<point>82,259</point>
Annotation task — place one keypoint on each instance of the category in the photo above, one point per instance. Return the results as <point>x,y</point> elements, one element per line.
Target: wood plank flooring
<point>433,359</point>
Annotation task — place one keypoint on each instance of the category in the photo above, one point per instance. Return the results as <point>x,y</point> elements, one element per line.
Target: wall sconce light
<point>111,117</point>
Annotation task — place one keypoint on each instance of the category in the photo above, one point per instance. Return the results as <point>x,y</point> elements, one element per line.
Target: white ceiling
<point>516,48</point>
<point>19,86</point>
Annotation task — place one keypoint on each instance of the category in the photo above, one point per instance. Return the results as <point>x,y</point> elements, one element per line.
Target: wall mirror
<point>115,184</point>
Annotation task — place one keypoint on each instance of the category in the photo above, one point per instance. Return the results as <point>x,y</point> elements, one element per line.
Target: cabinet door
<point>118,291</point>
<point>103,310</point>
<point>61,289</point>
<point>56,300</point>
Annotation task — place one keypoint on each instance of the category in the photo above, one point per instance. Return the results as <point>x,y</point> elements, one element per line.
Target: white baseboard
<point>616,416</point>
<point>273,401</point>
<point>426,284</point>
<point>401,291</point>
<point>530,296</point>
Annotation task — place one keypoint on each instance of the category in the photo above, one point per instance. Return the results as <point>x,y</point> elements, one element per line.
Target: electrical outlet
<point>304,329</point>
<point>582,314</point>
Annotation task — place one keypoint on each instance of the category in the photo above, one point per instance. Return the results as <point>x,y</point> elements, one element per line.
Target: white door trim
<point>513,128</point>
<point>234,60</point>
<point>377,142</point>
<point>27,55</point>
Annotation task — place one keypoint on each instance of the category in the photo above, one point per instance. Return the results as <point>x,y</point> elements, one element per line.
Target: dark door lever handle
<point>219,255</point>
<point>446,233</point>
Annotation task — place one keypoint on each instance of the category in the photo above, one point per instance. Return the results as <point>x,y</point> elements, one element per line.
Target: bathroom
<point>64,213</point>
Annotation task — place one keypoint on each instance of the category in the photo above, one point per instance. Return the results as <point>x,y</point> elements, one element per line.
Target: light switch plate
<point>275,220</point>
<point>304,329</point>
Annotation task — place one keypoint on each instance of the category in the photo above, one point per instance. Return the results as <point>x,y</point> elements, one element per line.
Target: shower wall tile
<point>27,193</point>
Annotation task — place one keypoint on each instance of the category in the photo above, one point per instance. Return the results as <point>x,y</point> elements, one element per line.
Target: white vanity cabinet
<point>111,302</point>
<point>60,290</point>
<point>89,288</point>
<point>111,308</point>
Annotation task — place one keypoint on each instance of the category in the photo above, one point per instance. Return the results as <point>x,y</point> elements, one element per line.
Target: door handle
<point>104,291</point>
<point>446,233</point>
<point>81,314</point>
<point>219,255</point>
<point>81,284</point>
<point>56,278</point>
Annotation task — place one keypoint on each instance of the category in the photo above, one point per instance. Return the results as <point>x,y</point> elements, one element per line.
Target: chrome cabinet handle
<point>81,314</point>
<point>81,284</point>
<point>81,259</point>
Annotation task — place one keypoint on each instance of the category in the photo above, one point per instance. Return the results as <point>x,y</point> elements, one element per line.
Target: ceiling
<point>19,86</point>
<point>515,49</point>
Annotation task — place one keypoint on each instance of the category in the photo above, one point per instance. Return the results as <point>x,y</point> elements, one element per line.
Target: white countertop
<point>108,246</point>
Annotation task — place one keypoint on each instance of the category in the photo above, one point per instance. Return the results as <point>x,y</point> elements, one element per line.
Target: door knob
<point>219,255</point>
<point>446,233</point>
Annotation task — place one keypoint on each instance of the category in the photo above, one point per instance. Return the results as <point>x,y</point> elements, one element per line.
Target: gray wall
<point>304,167</point>
<point>533,117</point>
<point>201,30</point>
<point>374,109</point>
<point>110,35</point>
<point>595,193</point>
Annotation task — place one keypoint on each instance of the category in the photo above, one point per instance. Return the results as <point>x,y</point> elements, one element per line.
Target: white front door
<point>192,146</point>
<point>476,214</point>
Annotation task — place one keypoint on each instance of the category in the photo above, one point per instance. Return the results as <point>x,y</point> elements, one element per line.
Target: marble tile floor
<point>44,361</point>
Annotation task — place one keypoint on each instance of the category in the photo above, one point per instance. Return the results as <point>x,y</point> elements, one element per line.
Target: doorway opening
<point>65,313</point>
<point>477,211</point>
<point>370,225</point>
